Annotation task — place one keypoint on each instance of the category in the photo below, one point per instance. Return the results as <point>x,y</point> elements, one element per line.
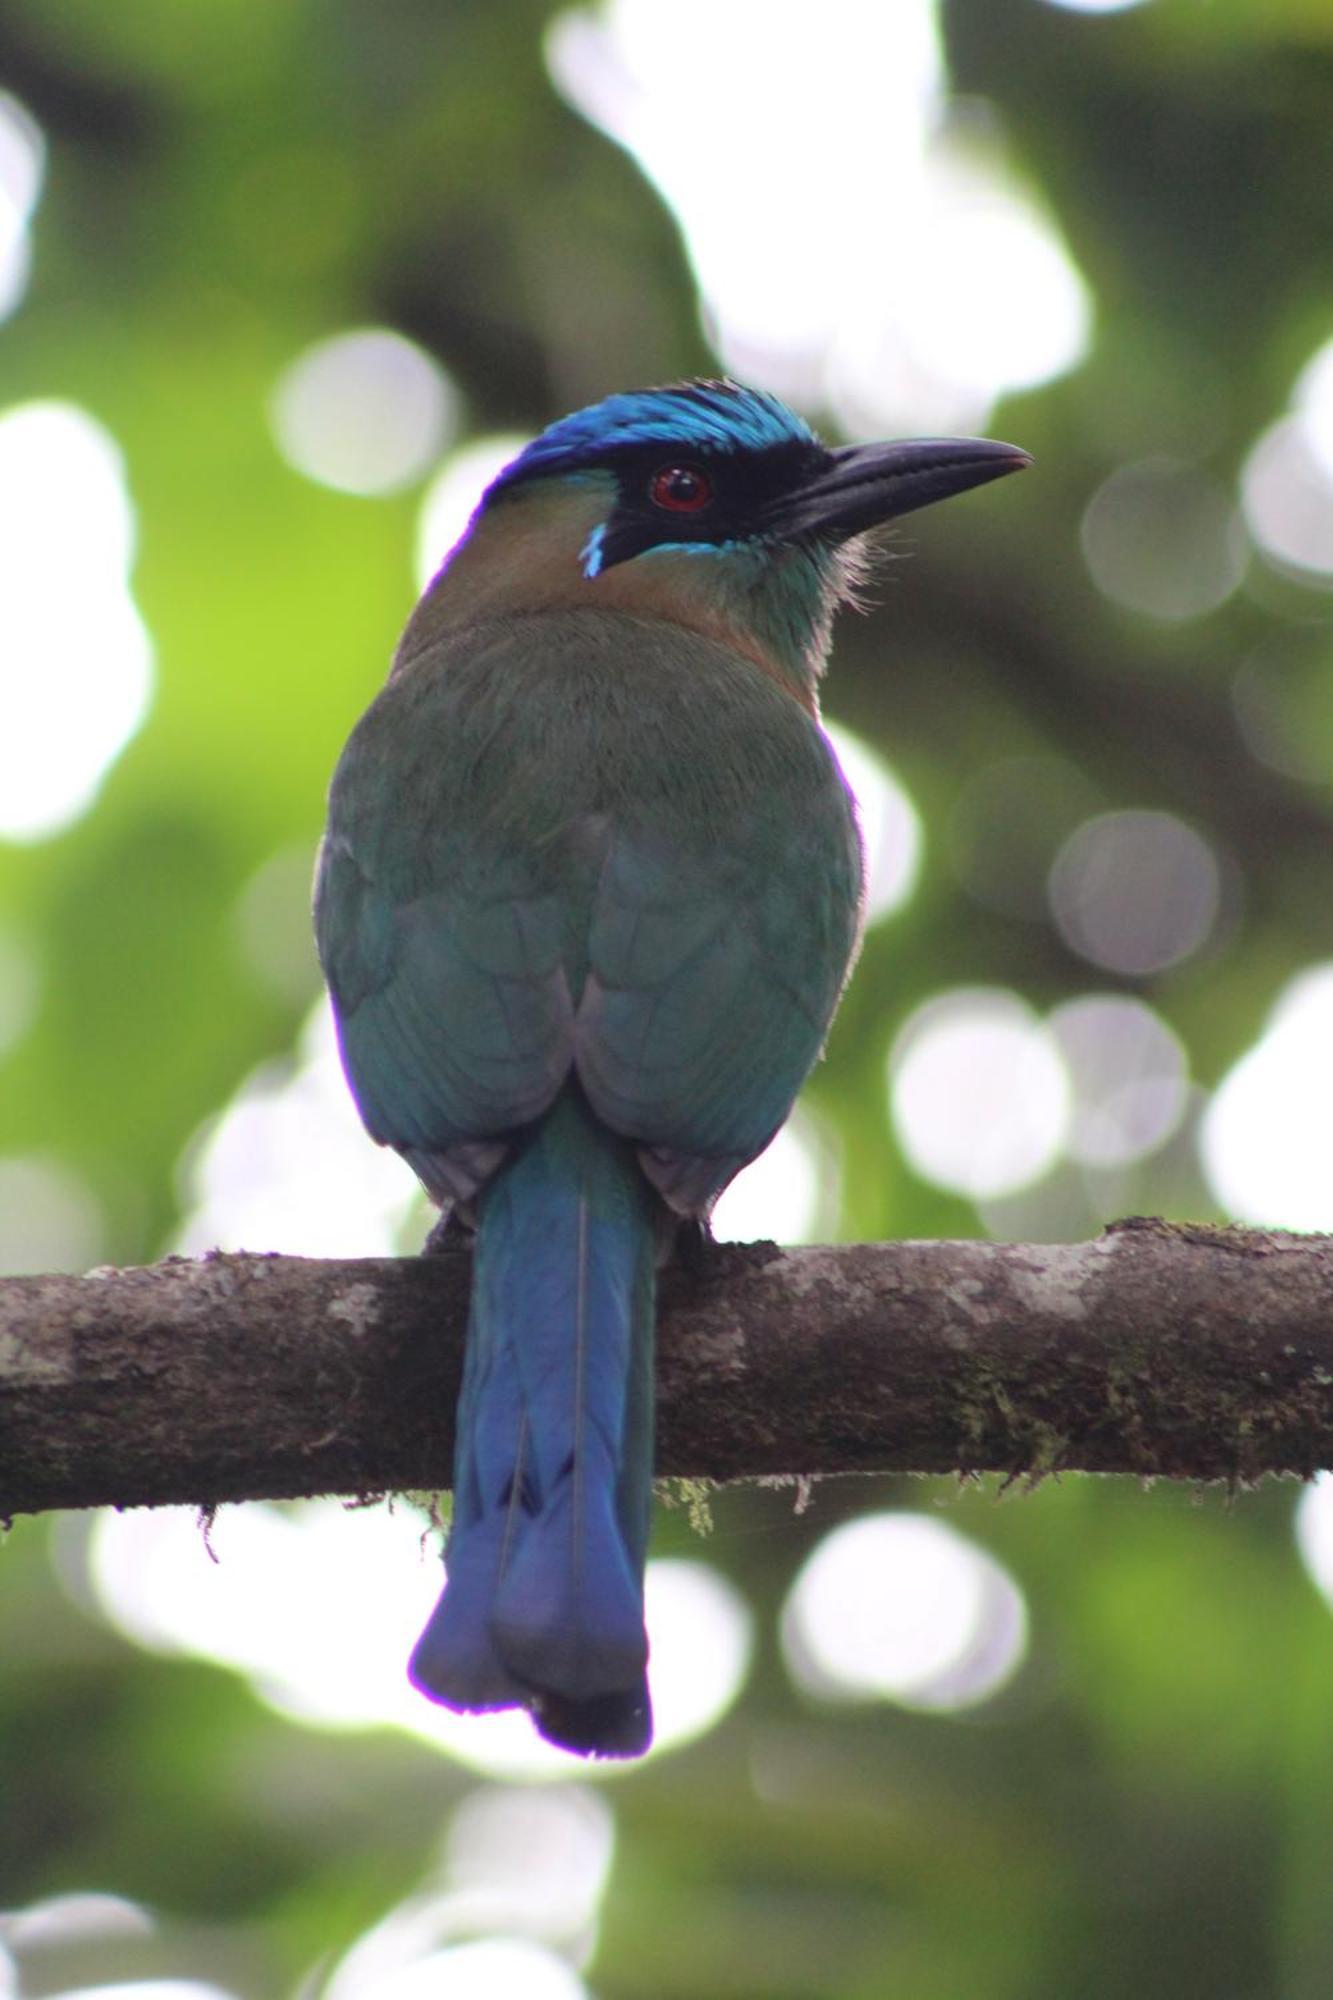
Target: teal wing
<point>714,972</point>
<point>443,939</point>
<point>453,1011</point>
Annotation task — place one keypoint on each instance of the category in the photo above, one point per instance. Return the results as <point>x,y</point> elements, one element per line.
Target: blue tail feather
<point>543,1602</point>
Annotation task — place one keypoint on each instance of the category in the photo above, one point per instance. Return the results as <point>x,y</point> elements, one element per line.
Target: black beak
<point>864,484</point>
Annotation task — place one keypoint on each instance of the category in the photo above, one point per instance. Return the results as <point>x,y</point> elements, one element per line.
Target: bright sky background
<point>22,163</point>
<point>890,267</point>
<point>1265,1137</point>
<point>319,1606</point>
<point>77,660</point>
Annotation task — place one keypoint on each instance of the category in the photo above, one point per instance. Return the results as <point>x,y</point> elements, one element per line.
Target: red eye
<point>681,489</point>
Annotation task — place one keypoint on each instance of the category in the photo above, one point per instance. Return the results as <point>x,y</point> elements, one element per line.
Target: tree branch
<point>1194,1352</point>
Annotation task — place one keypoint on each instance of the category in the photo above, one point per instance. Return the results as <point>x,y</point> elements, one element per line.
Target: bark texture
<point>1193,1352</point>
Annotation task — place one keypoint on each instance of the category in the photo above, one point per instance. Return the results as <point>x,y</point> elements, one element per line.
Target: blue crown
<point>700,416</point>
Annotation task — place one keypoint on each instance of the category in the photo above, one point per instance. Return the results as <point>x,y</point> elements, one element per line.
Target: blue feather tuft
<point>697,416</point>
<point>591,553</point>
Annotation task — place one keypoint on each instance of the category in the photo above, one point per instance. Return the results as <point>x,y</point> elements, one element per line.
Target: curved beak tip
<point>863,486</point>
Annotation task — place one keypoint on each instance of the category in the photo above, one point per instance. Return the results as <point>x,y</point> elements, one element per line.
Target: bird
<point>590,890</point>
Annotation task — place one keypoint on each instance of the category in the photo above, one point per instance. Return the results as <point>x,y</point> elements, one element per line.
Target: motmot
<point>589,894</point>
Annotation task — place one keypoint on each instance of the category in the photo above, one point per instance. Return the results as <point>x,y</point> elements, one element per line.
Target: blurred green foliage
<point>1146,1811</point>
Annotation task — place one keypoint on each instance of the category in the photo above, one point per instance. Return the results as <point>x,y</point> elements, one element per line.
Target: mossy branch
<point>1158,1349</point>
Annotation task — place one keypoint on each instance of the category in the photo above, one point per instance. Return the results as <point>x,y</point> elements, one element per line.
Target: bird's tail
<point>543,1600</point>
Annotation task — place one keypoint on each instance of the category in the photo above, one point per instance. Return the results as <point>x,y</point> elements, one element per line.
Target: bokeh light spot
<point>1135,891</point>
<point>903,1607</point>
<point>79,1916</point>
<point>1287,480</point>
<point>1130,1078</point>
<point>78,662</point>
<point>449,501</point>
<point>1287,495</point>
<point>701,1635</point>
<point>519,1861</point>
<point>22,161</point>
<point>890,823</point>
<point>1265,1136</point>
<point>533,1860</point>
<point>366,411</point>
<point>1313,1524</point>
<point>1162,538</point>
<point>1313,399</point>
<point>978,1092</point>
